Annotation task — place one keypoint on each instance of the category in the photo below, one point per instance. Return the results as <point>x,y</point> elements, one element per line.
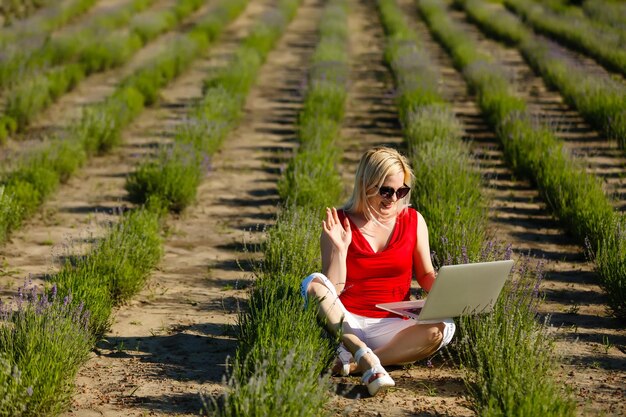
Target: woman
<point>370,251</point>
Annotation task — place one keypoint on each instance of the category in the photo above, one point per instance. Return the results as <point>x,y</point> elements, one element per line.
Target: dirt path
<point>171,342</point>
<point>573,299</point>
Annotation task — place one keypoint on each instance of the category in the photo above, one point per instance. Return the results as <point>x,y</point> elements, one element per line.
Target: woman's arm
<point>422,264</point>
<point>334,243</point>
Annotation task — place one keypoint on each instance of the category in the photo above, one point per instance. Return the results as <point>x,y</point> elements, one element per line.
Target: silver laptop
<point>458,290</point>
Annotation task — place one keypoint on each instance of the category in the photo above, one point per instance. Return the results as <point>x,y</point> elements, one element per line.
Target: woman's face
<point>387,207</point>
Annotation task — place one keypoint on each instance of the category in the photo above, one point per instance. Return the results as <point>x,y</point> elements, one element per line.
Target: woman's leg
<point>333,313</point>
<point>411,344</point>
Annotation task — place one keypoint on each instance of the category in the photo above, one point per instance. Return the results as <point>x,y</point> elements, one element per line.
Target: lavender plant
<point>12,393</point>
<point>282,352</point>
<point>447,191</point>
<point>44,338</point>
<point>511,348</point>
<point>606,12</point>
<point>172,177</point>
<point>116,268</point>
<point>12,10</point>
<point>92,52</point>
<point>42,24</point>
<point>267,392</point>
<point>311,177</point>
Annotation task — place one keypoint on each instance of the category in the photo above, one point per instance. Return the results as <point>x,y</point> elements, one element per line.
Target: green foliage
<point>610,259</point>
<point>13,394</point>
<point>297,390</point>
<point>213,118</point>
<point>282,351</point>
<point>99,129</point>
<point>510,348</point>
<point>448,193</point>
<point>602,44</point>
<point>447,188</point>
<point>10,213</point>
<point>325,98</point>
<point>160,71</point>
<point>44,339</point>
<point>172,177</point>
<point>112,51</point>
<point>35,178</point>
<point>311,179</point>
<point>116,268</point>
<point>149,25</point>
<point>238,77</point>
<point>30,97</point>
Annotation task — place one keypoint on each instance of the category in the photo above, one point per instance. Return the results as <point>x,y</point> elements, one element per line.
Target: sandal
<point>375,378</point>
<point>345,358</point>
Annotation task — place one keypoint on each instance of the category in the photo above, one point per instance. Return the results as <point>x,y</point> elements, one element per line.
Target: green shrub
<point>172,177</point>
<point>149,25</point>
<point>511,348</point>
<point>115,269</point>
<point>311,179</point>
<point>44,339</point>
<point>610,260</point>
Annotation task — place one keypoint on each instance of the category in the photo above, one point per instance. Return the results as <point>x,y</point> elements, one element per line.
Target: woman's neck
<point>375,220</point>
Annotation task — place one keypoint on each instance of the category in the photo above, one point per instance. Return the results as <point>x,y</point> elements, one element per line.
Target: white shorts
<point>375,332</point>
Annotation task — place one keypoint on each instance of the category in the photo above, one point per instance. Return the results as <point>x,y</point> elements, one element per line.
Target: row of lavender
<point>496,353</point>
<point>283,353</point>
<point>13,10</point>
<point>30,31</point>
<point>600,99</point>
<point>39,77</point>
<point>603,42</point>
<point>22,58</point>
<point>575,196</point>
<point>45,337</point>
<point>27,182</point>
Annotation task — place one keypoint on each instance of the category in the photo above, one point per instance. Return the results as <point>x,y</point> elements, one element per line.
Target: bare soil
<point>172,341</point>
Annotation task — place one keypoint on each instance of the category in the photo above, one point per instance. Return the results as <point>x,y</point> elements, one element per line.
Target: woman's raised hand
<point>340,235</point>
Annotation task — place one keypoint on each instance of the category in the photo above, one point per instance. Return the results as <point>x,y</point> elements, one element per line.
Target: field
<point>163,164</point>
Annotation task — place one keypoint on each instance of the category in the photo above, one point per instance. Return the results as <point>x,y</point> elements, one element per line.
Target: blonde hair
<point>375,165</point>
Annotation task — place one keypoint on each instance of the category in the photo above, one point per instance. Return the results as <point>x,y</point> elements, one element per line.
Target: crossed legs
<point>411,344</point>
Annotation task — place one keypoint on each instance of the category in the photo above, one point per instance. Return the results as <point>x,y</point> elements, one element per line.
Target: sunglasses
<point>388,192</point>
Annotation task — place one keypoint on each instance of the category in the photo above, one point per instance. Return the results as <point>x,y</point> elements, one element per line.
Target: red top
<point>380,277</point>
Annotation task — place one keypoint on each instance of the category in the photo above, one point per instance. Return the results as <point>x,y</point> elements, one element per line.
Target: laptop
<point>458,290</point>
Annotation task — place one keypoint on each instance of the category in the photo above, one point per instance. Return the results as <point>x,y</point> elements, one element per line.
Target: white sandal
<point>375,378</point>
<point>346,358</point>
